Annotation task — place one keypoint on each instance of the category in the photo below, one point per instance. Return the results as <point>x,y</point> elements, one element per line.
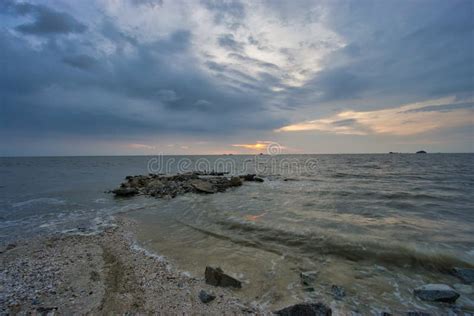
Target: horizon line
<point>151,155</point>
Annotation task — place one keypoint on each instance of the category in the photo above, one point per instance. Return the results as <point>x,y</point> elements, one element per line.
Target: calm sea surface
<point>375,225</point>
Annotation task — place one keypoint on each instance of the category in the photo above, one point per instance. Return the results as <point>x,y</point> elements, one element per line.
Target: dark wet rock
<point>10,247</point>
<point>154,185</point>
<point>258,179</point>
<point>338,292</point>
<point>421,152</point>
<point>308,277</point>
<point>43,311</point>
<point>466,275</point>
<point>203,186</point>
<point>214,173</point>
<point>235,182</point>
<point>206,297</point>
<point>436,293</point>
<point>217,277</point>
<point>418,314</point>
<point>248,177</point>
<point>305,309</point>
<point>125,191</point>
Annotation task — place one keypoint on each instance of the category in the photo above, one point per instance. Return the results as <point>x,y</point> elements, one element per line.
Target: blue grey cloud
<point>443,107</point>
<point>68,73</point>
<point>228,41</point>
<point>46,21</point>
<point>425,51</point>
<point>348,122</point>
<point>80,61</point>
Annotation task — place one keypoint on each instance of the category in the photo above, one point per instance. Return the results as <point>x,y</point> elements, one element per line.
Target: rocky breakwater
<point>170,186</point>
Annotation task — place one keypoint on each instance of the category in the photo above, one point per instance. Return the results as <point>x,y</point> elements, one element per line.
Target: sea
<point>372,227</point>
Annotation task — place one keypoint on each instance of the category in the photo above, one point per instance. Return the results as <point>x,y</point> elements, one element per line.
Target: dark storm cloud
<point>425,51</point>
<point>80,61</point>
<point>61,90</point>
<point>348,122</point>
<point>253,41</point>
<point>150,3</point>
<point>227,12</point>
<point>109,80</point>
<point>46,20</point>
<point>443,108</point>
<point>261,83</point>
<point>227,41</point>
<point>256,62</point>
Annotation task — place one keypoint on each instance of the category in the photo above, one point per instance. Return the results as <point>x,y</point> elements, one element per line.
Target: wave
<point>385,195</point>
<point>50,201</point>
<point>294,244</point>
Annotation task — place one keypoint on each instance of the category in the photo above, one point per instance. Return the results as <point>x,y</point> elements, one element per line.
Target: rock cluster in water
<point>157,185</point>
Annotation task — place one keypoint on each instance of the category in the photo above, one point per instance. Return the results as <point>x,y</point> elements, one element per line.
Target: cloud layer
<point>406,120</point>
<point>230,72</point>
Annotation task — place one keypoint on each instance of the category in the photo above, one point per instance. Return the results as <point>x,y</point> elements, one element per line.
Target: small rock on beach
<point>436,293</point>
<point>307,309</point>
<point>308,277</point>
<point>217,277</point>
<point>206,297</point>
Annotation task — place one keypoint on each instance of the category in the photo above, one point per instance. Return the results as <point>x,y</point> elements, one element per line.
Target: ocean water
<point>376,225</point>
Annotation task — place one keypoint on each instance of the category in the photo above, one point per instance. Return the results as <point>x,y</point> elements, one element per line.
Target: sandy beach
<point>106,273</point>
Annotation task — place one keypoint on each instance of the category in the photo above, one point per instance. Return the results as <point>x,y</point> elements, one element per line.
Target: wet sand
<point>104,273</point>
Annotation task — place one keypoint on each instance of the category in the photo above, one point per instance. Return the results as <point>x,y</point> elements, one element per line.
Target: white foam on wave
<point>50,201</point>
<point>186,274</point>
<point>136,247</point>
<point>100,201</point>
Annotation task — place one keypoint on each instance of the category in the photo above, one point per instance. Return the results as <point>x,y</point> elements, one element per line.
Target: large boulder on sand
<point>306,309</point>
<point>217,277</point>
<point>436,293</point>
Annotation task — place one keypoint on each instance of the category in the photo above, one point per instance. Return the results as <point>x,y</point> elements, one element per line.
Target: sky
<point>131,77</point>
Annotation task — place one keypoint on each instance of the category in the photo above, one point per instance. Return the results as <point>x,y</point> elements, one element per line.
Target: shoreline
<point>104,273</point>
<point>110,273</point>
